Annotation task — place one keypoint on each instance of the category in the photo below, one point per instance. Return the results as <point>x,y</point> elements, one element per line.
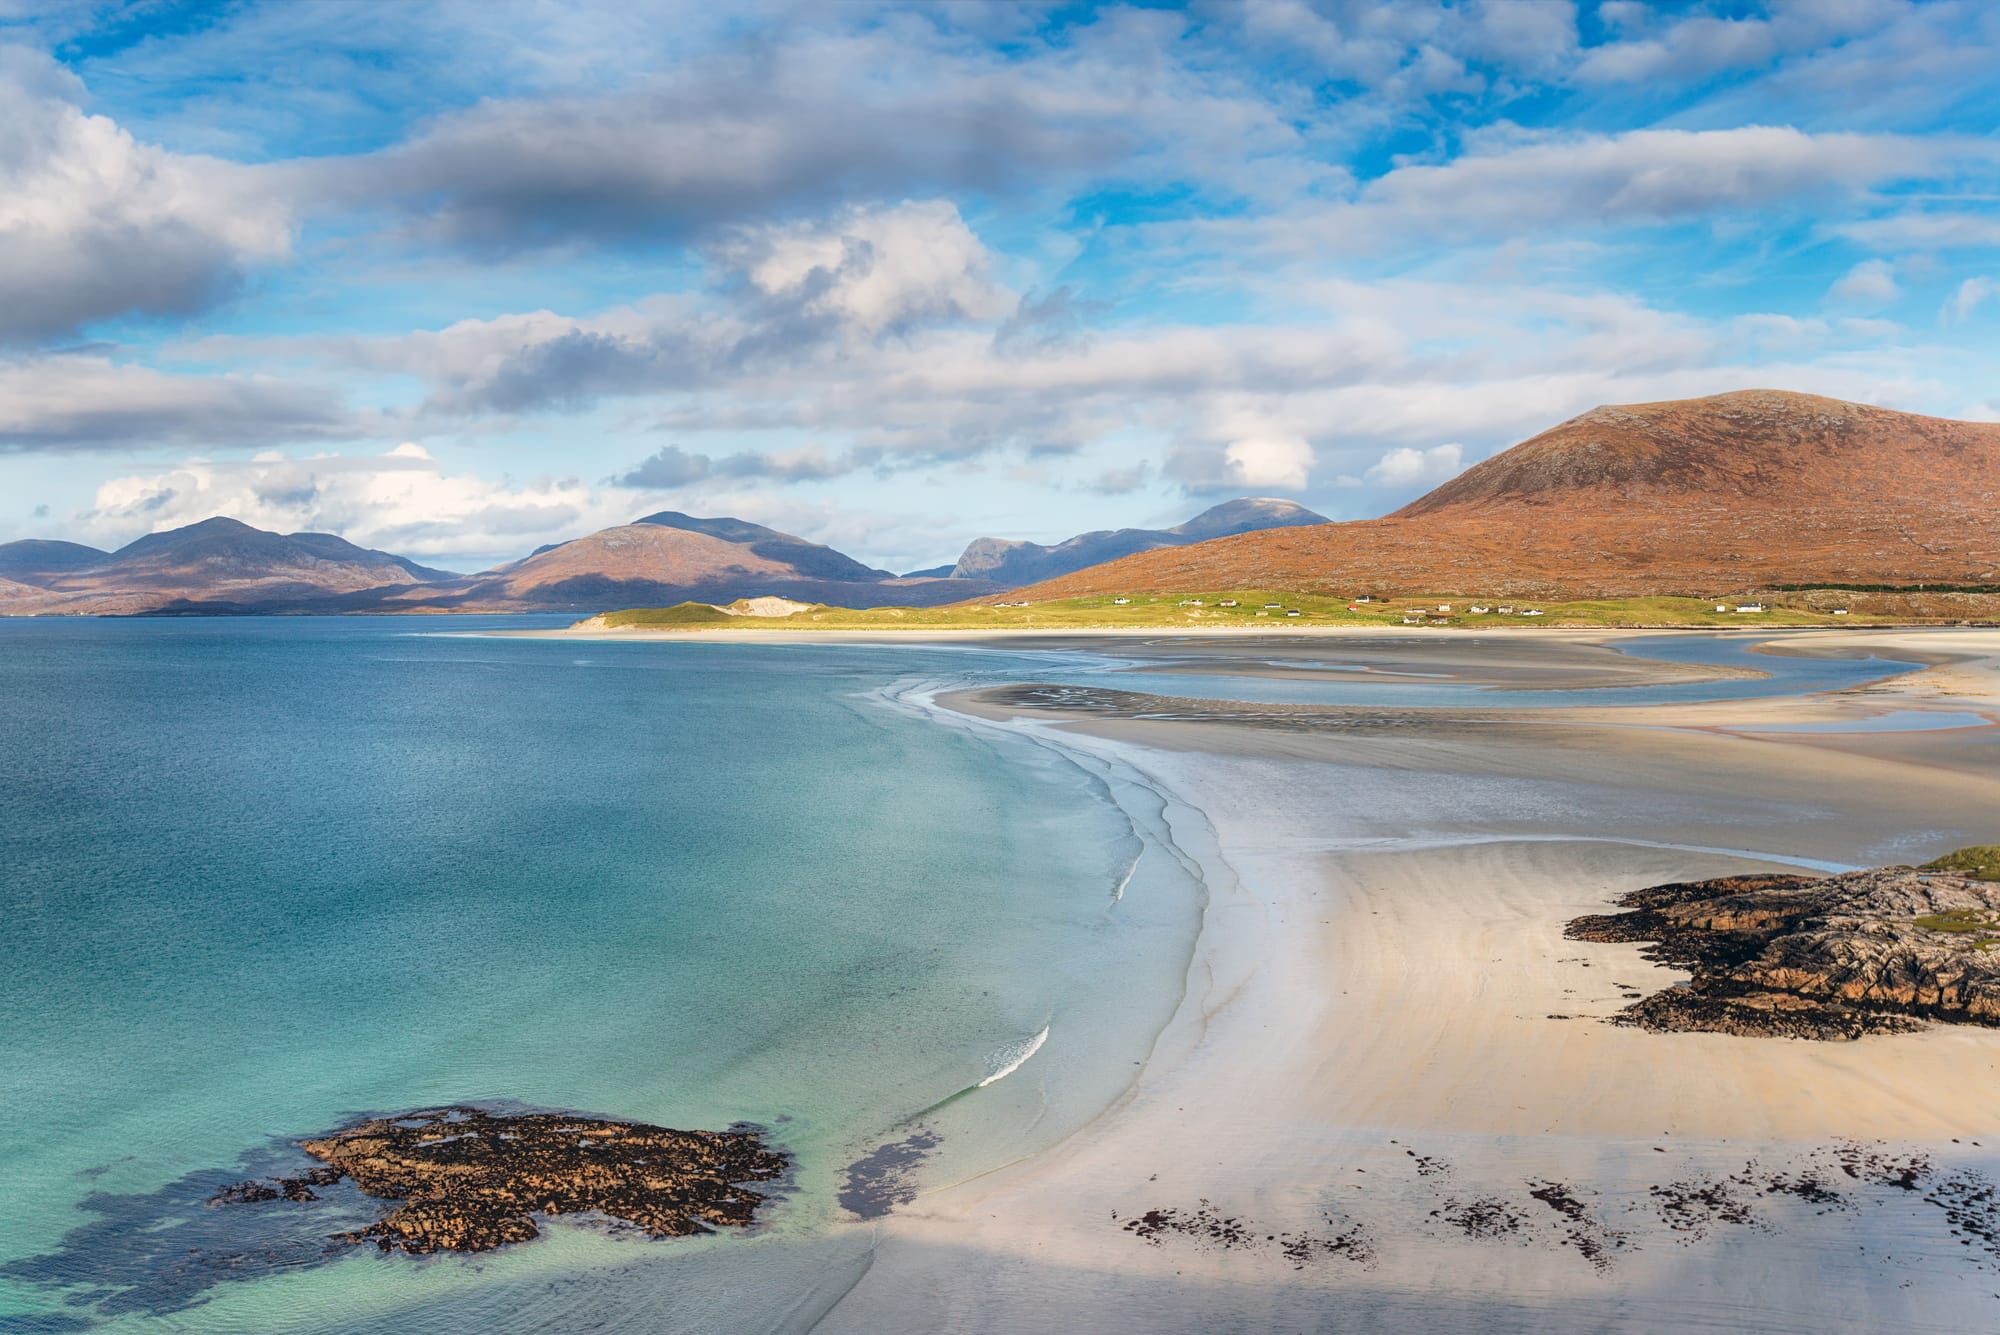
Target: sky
<point>459,279</point>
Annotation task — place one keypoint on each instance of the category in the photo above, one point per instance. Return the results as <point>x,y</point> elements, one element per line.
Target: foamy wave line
<point>1119,894</point>
<point>1024,1051</point>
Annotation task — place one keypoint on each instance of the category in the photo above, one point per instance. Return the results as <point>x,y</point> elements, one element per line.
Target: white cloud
<point>1407,467</point>
<point>1282,462</point>
<point>1645,176</point>
<point>81,402</point>
<point>1869,283</point>
<point>1942,230</point>
<point>1701,45</point>
<point>402,501</point>
<point>95,224</point>
<point>1970,294</point>
<point>875,269</point>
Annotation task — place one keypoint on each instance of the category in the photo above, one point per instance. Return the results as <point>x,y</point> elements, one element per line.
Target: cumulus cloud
<point>669,467</point>
<point>777,128</point>
<point>1698,46</point>
<point>873,270</point>
<point>1869,283</point>
<point>1281,462</point>
<point>1405,466</point>
<point>83,402</point>
<point>402,501</point>
<point>95,224</point>
<point>781,296</point>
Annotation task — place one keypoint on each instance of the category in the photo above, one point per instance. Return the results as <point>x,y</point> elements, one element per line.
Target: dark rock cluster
<point>472,1180</point>
<point>1824,957</point>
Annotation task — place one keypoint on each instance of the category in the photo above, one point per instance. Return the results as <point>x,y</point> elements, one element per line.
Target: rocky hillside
<point>1009,562</point>
<point>1698,496</point>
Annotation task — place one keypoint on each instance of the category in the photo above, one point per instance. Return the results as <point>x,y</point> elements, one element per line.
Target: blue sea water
<point>260,876</point>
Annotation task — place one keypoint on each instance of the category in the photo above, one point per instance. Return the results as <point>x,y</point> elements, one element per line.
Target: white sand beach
<point>1390,1097</point>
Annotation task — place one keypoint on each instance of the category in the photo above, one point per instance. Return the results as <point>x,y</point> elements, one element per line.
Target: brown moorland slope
<point>670,558</point>
<point>1697,496</point>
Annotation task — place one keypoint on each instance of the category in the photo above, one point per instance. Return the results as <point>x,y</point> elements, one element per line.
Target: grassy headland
<point>1248,609</point>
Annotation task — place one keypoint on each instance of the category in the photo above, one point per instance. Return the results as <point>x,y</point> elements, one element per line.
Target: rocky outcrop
<point>471,1180</point>
<point>1826,957</point>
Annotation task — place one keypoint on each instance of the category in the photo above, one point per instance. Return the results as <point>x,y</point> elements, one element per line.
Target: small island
<point>472,1180</point>
<point>1824,957</point>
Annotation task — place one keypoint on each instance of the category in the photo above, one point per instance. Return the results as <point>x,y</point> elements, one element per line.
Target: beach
<point>1151,982</point>
<point>1390,1096</point>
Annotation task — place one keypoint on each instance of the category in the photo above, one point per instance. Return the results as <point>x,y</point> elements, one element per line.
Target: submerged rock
<point>471,1180</point>
<point>1825,957</point>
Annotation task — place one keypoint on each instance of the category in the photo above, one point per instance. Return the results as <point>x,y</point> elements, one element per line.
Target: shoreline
<point>1248,630</point>
<point>1369,1047</point>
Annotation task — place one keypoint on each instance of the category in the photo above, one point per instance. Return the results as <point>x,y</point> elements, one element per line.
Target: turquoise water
<point>260,876</point>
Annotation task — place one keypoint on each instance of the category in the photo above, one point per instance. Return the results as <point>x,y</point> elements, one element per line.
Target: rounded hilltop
<point>1760,445</point>
<point>1749,490</point>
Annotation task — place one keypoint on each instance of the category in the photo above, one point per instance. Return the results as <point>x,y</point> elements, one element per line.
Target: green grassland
<point>1180,611</point>
<point>1981,862</point>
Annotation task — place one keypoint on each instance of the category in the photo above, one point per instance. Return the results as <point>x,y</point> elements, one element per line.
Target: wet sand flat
<point>1392,1098</point>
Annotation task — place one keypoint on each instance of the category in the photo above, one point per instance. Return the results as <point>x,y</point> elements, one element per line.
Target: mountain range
<point>224,566</point>
<point>1012,563</point>
<point>1701,496</point>
<point>1698,496</point>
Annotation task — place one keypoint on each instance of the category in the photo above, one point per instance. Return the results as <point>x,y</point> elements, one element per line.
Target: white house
<point>1749,607</point>
<point>1120,602</point>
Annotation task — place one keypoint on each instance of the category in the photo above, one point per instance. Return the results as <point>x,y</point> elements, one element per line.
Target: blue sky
<point>460,279</point>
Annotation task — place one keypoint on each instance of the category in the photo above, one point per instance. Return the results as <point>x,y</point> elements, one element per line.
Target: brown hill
<point>223,566</point>
<point>1695,496</point>
<point>215,565</point>
<point>670,558</point>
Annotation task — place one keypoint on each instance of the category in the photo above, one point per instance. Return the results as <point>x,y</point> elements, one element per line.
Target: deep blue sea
<point>262,876</point>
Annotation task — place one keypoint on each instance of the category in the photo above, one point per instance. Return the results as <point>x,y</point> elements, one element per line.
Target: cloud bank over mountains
<point>889,273</point>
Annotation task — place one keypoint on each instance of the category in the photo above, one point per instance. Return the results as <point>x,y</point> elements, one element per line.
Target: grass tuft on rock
<point>1981,862</point>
